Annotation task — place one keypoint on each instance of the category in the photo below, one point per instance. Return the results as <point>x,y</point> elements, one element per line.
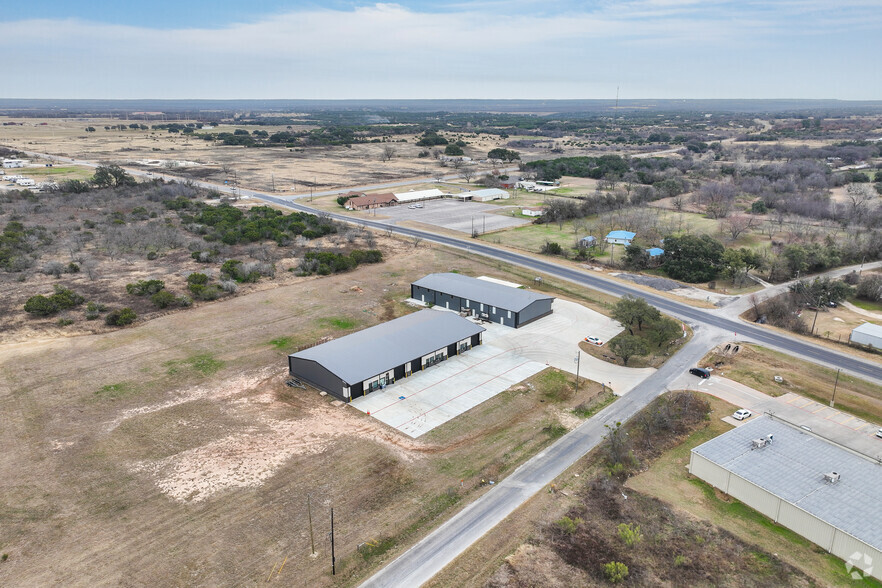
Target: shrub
<point>163,299</point>
<point>615,572</point>
<point>120,317</point>
<point>63,322</point>
<point>568,525</point>
<point>680,561</point>
<point>40,305</point>
<point>197,278</point>
<point>551,248</point>
<point>73,268</point>
<point>145,287</point>
<point>630,534</point>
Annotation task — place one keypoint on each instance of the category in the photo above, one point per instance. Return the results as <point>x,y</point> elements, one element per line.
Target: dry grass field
<point>172,453</point>
<point>288,171</point>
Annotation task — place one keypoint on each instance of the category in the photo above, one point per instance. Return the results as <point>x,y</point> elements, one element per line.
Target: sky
<point>525,49</point>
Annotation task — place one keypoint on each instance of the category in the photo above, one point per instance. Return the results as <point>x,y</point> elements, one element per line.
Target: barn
<point>497,303</point>
<point>824,492</point>
<point>362,362</point>
<point>867,334</point>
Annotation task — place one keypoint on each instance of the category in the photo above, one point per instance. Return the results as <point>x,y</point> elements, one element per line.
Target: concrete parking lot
<point>429,398</point>
<point>829,423</point>
<point>454,215</point>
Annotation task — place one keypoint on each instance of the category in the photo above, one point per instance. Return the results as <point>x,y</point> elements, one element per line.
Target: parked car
<point>700,372</point>
<point>742,414</point>
<point>594,340</point>
<point>879,433</point>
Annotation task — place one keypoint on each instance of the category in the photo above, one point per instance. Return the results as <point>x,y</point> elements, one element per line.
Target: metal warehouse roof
<point>486,192</point>
<point>792,467</point>
<point>514,299</point>
<point>869,329</point>
<point>362,355</point>
<point>418,195</point>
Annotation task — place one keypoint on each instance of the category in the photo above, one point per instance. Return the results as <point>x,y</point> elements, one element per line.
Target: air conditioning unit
<point>831,478</point>
<point>759,443</point>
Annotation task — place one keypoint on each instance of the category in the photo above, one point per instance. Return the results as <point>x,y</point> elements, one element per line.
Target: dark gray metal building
<point>504,305</point>
<point>362,362</point>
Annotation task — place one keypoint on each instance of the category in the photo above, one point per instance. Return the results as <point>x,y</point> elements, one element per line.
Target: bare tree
<point>388,153</point>
<point>859,197</point>
<point>717,198</point>
<point>737,224</point>
<point>467,173</point>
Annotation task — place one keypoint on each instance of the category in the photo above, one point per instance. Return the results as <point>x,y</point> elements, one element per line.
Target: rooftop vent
<point>831,478</point>
<point>758,443</point>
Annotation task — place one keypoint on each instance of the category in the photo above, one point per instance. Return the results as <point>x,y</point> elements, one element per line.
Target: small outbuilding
<point>867,334</point>
<point>532,211</point>
<point>620,237</point>
<point>491,301</point>
<point>11,163</point>
<point>374,358</point>
<point>588,241</point>
<point>655,252</point>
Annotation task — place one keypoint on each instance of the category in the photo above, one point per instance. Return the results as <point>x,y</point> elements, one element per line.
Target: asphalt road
<point>417,565</point>
<point>695,316</point>
<point>425,559</point>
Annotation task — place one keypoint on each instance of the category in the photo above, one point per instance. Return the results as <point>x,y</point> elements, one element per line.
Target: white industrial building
<point>867,334</point>
<point>484,195</point>
<point>826,493</point>
<point>416,195</point>
<point>7,163</point>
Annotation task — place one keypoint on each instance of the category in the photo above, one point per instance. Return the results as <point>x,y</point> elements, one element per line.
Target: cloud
<point>388,50</point>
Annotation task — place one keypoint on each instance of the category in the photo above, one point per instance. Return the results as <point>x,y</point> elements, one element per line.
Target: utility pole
<point>309,514</point>
<point>578,361</point>
<point>833,400</point>
<point>817,310</point>
<point>333,559</point>
<point>273,176</point>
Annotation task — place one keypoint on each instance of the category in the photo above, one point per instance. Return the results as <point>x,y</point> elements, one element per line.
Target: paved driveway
<point>554,341</point>
<point>429,398</point>
<point>454,215</point>
<point>827,422</point>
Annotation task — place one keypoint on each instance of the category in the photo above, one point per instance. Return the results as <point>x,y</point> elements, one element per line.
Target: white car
<point>742,414</point>
<point>594,340</point>
<point>879,433</point>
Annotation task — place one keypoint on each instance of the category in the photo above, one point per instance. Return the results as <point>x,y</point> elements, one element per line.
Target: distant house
<point>588,241</point>
<point>655,252</point>
<point>620,237</point>
<point>7,163</point>
<point>369,201</point>
<point>532,211</point>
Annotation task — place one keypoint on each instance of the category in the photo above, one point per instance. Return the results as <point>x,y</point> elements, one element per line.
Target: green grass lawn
<point>866,304</point>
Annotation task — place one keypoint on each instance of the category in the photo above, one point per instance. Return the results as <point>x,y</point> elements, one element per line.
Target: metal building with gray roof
<point>497,303</point>
<point>828,494</point>
<point>362,362</point>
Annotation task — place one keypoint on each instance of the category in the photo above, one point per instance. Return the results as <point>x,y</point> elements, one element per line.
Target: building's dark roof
<point>792,468</point>
<point>514,299</point>
<point>362,355</point>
